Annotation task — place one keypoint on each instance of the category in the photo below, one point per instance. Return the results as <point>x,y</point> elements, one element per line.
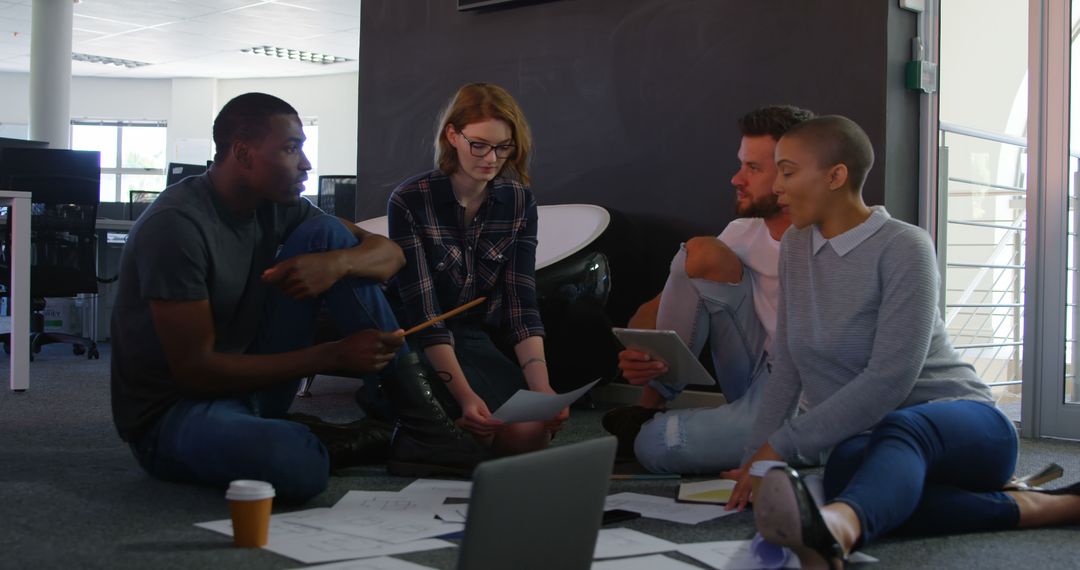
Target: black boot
<point>426,442</point>
<point>625,423</point>
<point>363,442</point>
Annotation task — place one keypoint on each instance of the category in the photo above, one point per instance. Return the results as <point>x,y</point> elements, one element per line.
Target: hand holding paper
<point>528,406</point>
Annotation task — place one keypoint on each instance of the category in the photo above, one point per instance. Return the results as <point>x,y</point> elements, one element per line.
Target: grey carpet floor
<point>72,496</point>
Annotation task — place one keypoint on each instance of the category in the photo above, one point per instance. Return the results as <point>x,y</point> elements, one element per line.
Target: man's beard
<point>765,207</point>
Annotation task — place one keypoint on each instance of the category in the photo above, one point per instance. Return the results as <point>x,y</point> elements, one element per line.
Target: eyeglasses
<point>481,149</point>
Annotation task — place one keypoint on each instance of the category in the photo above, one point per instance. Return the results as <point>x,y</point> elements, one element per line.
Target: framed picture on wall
<point>463,5</point>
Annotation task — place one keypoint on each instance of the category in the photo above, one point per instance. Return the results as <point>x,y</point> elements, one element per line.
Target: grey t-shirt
<point>188,247</point>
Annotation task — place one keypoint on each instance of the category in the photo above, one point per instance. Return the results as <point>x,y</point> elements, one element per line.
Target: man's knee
<point>710,258</point>
<point>321,233</point>
<point>675,442</point>
<point>656,452</point>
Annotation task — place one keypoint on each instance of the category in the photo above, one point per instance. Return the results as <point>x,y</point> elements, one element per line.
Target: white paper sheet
<point>654,562</point>
<point>381,563</point>
<point>329,546</point>
<point>736,555</point>
<point>444,487</point>
<point>529,406</point>
<point>617,542</point>
<point>726,554</point>
<point>654,507</point>
<point>414,505</point>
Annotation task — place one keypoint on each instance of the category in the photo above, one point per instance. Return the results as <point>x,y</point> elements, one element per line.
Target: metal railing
<point>984,265</point>
<point>984,273</point>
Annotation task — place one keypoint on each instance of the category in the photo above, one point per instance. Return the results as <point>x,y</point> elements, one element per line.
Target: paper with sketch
<point>295,536</point>
<point>617,542</point>
<point>386,527</point>
<point>413,505</point>
<point>714,491</point>
<point>381,563</point>
<point>654,507</point>
<point>283,526</point>
<point>452,513</point>
<point>445,488</point>
<point>654,562</point>
<point>529,406</point>
<point>736,555</point>
<point>331,546</point>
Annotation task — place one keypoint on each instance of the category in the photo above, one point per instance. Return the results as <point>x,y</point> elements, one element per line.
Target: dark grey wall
<point>633,102</point>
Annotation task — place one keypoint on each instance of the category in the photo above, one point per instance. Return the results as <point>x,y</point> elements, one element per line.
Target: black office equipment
<point>337,196</point>
<point>65,187</point>
<point>178,171</point>
<point>139,201</point>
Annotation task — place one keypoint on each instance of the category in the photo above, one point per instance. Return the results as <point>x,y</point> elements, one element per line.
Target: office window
<point>311,149</point>
<point>132,154</point>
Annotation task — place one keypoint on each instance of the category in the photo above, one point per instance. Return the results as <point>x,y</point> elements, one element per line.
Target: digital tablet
<point>666,346</point>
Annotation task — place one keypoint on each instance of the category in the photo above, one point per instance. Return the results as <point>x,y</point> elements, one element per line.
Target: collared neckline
<point>444,190</point>
<point>844,243</point>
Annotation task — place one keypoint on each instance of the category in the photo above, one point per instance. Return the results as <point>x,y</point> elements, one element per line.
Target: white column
<point>50,72</point>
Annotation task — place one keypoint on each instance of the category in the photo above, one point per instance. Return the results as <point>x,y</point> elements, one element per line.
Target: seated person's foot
<point>361,442</point>
<point>426,442</point>
<point>624,423</point>
<point>375,404</point>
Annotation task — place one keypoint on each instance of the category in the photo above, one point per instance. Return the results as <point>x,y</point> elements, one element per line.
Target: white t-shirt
<point>749,238</point>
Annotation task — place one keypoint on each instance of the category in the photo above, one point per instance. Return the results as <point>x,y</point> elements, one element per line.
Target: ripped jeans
<point>708,440</point>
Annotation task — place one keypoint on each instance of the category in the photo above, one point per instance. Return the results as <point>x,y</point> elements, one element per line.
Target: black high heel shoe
<point>785,514</point>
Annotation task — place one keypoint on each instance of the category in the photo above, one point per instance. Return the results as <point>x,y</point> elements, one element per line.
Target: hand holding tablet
<point>666,346</point>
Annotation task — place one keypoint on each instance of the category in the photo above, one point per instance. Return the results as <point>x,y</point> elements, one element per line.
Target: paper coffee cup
<point>249,504</point>
<point>758,469</point>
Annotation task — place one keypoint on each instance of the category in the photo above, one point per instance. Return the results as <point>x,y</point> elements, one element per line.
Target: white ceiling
<point>195,38</point>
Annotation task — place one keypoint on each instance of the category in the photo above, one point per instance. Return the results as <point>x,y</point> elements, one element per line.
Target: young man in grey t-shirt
<point>221,282</point>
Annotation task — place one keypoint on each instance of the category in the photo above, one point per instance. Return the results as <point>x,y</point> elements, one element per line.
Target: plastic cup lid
<point>759,468</point>
<point>247,490</point>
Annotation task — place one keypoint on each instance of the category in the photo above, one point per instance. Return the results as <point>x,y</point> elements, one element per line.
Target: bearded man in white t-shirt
<point>724,291</point>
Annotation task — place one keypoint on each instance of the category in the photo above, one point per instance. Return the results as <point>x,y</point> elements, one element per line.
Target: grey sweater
<point>858,335</point>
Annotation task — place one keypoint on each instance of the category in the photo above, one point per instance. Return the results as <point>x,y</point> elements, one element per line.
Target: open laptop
<point>539,510</point>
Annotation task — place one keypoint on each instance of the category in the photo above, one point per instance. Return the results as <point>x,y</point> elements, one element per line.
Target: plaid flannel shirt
<point>448,264</point>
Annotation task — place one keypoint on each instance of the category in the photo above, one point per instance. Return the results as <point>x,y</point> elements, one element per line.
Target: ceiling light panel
<point>88,58</point>
<point>296,55</point>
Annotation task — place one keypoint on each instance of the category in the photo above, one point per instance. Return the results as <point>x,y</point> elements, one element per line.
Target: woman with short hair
<point>916,441</point>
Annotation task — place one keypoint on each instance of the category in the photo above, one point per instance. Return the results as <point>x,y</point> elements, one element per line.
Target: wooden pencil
<point>446,315</point>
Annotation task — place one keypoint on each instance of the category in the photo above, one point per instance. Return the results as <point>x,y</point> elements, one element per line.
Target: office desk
<point>19,288</point>
<point>114,225</point>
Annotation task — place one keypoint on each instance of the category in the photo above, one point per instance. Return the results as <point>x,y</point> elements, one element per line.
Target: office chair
<point>65,187</point>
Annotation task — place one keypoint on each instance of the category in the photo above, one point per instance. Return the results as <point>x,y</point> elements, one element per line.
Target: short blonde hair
<point>477,102</point>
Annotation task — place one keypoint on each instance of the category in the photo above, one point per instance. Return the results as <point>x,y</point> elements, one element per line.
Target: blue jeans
<point>708,440</point>
<point>213,442</point>
<point>931,469</point>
